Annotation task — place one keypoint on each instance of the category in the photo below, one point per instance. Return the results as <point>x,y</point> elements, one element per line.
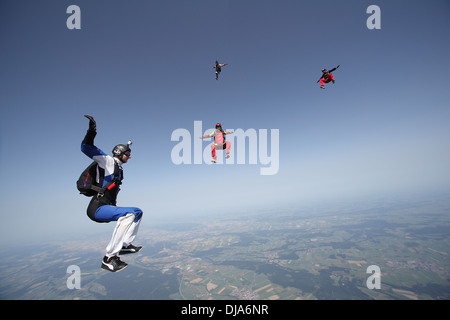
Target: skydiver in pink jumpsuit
<point>220,142</point>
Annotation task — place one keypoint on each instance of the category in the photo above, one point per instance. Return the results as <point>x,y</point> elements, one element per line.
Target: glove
<point>92,123</point>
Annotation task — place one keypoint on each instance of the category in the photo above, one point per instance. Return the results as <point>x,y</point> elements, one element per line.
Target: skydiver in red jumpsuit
<point>326,77</point>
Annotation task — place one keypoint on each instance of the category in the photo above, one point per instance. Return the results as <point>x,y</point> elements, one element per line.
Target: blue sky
<point>144,69</point>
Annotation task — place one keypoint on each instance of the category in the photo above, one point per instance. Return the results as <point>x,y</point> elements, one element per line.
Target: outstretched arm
<point>334,69</point>
<point>91,133</point>
<point>88,148</point>
<point>208,135</point>
<point>87,145</point>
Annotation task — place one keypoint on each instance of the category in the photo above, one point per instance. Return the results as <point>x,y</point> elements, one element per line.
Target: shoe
<point>332,81</point>
<point>113,264</point>
<point>130,249</point>
<point>322,87</point>
<point>214,160</point>
<point>227,157</point>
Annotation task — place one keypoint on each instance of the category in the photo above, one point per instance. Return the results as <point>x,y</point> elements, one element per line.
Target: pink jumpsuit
<point>219,142</point>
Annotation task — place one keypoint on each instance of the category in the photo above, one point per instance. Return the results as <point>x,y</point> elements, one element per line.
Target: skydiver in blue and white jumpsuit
<point>103,208</point>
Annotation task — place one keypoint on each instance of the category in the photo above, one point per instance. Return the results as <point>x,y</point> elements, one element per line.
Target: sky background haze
<point>145,68</point>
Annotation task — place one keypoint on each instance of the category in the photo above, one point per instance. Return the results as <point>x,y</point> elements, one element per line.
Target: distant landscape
<point>276,255</point>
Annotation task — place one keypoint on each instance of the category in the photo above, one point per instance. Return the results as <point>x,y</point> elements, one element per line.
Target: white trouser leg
<point>131,233</point>
<point>122,227</point>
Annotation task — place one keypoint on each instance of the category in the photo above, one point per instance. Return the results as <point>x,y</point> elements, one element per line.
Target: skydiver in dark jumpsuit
<point>218,68</point>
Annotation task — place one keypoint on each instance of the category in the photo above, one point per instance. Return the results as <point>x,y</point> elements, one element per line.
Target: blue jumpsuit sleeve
<point>104,161</point>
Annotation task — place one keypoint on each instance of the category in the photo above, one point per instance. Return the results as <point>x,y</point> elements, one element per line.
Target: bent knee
<point>137,213</point>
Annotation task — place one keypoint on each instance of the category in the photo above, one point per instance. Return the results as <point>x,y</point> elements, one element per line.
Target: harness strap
<point>111,184</point>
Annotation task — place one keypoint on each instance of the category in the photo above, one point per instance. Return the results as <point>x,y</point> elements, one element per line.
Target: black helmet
<point>121,149</point>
